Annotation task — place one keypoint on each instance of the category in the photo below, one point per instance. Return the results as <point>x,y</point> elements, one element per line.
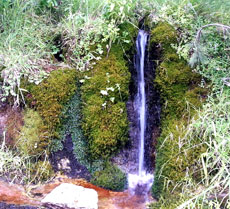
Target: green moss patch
<point>43,122</point>
<point>111,177</point>
<point>180,97</point>
<point>163,34</point>
<point>29,136</point>
<point>104,93</point>
<point>48,99</point>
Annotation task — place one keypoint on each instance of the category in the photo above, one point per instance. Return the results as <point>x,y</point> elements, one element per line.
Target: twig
<point>198,35</point>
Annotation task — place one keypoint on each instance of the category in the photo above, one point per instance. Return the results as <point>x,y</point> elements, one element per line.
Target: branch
<point>198,35</point>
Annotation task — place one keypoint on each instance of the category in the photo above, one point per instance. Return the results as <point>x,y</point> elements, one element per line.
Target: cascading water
<point>141,43</point>
<point>141,181</point>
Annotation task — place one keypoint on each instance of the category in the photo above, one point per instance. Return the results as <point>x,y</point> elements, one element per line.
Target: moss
<point>30,133</point>
<point>111,177</point>
<point>163,34</point>
<point>180,97</point>
<point>48,99</point>
<point>104,113</point>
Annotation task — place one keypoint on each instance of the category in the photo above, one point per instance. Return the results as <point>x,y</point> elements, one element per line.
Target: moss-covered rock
<point>163,34</point>
<point>42,122</point>
<point>29,136</point>
<point>111,177</point>
<point>48,99</point>
<point>180,97</point>
<point>104,93</point>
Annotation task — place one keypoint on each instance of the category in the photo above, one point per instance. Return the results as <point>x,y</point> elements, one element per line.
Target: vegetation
<point>111,177</point>
<point>48,99</point>
<point>104,92</point>
<point>29,137</point>
<point>42,123</point>
<point>180,95</point>
<point>37,37</point>
<point>189,137</point>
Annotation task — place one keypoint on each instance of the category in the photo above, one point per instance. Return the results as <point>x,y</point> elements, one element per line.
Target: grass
<point>24,46</point>
<point>17,167</point>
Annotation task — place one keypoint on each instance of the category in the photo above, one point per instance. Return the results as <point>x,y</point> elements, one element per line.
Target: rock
<point>71,196</point>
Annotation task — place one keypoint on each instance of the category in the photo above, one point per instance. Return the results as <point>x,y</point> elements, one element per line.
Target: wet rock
<point>71,196</point>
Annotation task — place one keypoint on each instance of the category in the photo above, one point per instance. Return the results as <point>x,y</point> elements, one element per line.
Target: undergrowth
<point>48,99</point>
<point>21,168</point>
<point>206,184</point>
<point>180,97</point>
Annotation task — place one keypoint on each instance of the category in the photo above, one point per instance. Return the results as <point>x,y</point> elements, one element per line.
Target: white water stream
<point>141,180</point>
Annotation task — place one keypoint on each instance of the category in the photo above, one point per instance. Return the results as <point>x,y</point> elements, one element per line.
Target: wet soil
<point>65,162</point>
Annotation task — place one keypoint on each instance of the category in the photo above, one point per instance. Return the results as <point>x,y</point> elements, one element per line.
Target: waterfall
<point>141,181</point>
<point>140,99</point>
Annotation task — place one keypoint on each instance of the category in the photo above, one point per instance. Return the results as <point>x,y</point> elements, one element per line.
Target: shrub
<point>111,177</point>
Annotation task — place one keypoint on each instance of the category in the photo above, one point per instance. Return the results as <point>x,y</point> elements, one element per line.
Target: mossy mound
<point>48,99</point>
<point>29,136</point>
<point>163,34</point>
<point>111,177</point>
<point>180,97</point>
<point>42,123</point>
<point>104,94</point>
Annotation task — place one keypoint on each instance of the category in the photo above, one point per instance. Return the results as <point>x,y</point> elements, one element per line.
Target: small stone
<point>72,196</point>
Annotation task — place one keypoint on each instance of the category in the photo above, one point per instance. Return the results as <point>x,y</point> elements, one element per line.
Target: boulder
<point>70,196</point>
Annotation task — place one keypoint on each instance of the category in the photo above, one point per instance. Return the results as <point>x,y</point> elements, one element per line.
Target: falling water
<point>141,181</point>
<point>141,43</point>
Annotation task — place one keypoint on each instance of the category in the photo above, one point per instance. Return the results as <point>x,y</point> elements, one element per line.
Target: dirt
<point>65,162</point>
<point>15,194</point>
<point>10,124</point>
<point>3,119</point>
